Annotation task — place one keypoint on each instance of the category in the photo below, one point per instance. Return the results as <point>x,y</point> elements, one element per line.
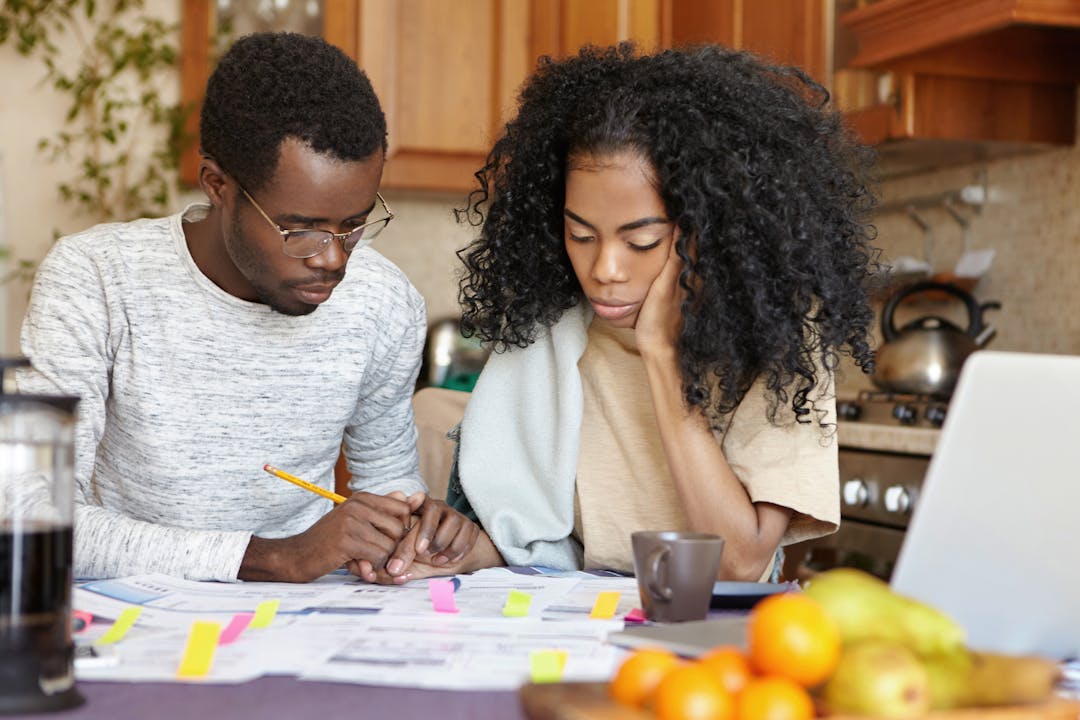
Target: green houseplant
<point>120,134</point>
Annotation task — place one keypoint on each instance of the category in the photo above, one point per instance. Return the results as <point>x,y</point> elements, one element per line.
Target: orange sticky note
<point>199,652</point>
<point>605,605</point>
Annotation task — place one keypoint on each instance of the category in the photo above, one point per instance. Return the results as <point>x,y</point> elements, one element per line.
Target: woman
<point>672,261</point>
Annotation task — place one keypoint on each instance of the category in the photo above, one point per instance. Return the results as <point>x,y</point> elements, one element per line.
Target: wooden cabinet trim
<point>197,19</point>
<point>891,29</point>
<point>425,170</point>
<point>971,110</point>
<point>1018,53</point>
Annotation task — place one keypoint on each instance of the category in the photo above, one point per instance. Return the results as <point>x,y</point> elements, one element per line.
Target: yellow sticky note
<point>120,628</point>
<point>517,605</point>
<point>199,652</point>
<point>606,603</point>
<point>264,613</point>
<point>546,666</point>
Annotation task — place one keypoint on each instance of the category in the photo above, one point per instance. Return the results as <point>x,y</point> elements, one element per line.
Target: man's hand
<point>440,537</point>
<point>483,554</point>
<point>365,527</point>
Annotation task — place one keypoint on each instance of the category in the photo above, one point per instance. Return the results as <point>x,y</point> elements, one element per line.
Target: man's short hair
<point>273,86</point>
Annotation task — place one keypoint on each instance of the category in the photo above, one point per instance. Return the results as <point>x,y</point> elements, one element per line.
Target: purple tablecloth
<point>268,698</point>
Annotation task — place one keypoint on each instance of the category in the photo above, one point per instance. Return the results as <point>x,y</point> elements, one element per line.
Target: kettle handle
<point>888,327</point>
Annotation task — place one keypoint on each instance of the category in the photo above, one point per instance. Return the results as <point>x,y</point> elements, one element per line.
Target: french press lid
<point>11,401</point>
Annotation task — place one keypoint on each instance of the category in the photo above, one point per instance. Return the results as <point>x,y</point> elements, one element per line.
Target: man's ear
<point>213,180</point>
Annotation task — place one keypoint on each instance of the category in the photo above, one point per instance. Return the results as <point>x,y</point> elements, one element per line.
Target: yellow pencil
<point>305,484</point>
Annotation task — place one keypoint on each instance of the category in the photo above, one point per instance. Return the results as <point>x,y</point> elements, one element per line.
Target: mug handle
<point>657,556</point>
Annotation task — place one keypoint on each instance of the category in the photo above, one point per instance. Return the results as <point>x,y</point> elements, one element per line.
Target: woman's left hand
<point>659,322</point>
<point>439,539</point>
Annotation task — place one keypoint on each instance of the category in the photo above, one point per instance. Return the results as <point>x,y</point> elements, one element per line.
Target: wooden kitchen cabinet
<point>198,30</point>
<point>447,73</point>
<point>789,32</point>
<point>971,79</point>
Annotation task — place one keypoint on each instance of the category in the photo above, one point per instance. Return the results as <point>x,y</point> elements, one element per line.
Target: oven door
<point>877,493</point>
<point>861,545</point>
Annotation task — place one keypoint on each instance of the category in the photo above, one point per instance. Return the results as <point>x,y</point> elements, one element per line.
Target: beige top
<point>623,482</point>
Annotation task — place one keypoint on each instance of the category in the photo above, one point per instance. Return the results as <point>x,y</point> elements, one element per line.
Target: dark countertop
<point>267,698</point>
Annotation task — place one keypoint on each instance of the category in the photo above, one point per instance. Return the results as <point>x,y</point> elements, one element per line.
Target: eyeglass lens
<point>308,243</point>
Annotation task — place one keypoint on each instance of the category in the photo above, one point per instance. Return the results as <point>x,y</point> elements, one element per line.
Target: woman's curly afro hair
<point>765,184</point>
<point>273,86</point>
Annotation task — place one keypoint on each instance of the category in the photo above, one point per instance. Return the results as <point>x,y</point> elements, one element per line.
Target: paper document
<point>341,628</point>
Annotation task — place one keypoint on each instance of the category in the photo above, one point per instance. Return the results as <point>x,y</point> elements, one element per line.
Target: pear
<point>949,678</point>
<point>878,678</point>
<point>866,608</point>
<point>980,679</point>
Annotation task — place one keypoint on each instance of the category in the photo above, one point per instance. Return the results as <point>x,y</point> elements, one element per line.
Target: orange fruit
<point>792,636</point>
<point>730,665</point>
<point>691,692</point>
<point>774,698</point>
<point>636,679</point>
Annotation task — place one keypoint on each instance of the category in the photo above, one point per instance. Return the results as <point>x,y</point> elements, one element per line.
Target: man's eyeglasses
<point>303,244</point>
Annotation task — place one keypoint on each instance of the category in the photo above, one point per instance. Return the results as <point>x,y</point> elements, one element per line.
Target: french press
<point>36,511</point>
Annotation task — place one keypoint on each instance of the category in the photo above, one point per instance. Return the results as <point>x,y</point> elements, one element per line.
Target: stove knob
<point>936,415</point>
<point>906,414</point>
<point>856,493</point>
<point>848,410</point>
<point>897,499</point>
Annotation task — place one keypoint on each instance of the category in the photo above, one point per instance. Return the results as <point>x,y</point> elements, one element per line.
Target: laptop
<point>994,540</point>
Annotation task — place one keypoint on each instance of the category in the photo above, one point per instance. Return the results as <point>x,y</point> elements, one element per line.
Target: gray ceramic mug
<point>675,573</point>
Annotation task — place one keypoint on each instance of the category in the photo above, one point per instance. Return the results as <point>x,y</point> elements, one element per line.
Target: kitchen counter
<point>887,438</point>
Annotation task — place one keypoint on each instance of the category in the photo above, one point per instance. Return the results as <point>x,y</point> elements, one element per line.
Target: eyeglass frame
<point>285,232</point>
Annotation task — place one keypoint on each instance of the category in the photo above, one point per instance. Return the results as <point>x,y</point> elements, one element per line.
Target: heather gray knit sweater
<point>187,391</point>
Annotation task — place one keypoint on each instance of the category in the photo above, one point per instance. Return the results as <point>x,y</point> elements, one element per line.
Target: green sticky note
<point>546,666</point>
<point>264,613</point>
<point>120,628</point>
<point>517,605</point>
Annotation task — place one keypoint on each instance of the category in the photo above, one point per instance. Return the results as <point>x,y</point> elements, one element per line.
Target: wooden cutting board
<point>590,701</point>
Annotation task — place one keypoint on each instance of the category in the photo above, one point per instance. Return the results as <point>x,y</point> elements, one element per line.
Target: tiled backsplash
<point>1031,221</point>
<point>422,241</point>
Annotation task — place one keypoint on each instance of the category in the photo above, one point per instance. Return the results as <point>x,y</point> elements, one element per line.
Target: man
<point>209,343</point>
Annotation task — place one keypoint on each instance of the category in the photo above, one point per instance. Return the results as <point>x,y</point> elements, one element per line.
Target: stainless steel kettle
<point>925,356</point>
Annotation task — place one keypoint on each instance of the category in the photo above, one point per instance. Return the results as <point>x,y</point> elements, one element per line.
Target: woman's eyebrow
<point>634,225</point>
<point>578,219</point>
<point>643,222</point>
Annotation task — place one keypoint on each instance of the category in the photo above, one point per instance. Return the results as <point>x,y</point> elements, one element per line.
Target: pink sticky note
<point>636,615</point>
<point>442,596</point>
<point>236,626</point>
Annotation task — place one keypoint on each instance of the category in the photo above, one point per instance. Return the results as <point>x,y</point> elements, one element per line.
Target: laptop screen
<point>994,540</point>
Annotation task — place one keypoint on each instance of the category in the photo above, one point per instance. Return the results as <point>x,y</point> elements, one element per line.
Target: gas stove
<point>885,444</point>
<point>887,408</point>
